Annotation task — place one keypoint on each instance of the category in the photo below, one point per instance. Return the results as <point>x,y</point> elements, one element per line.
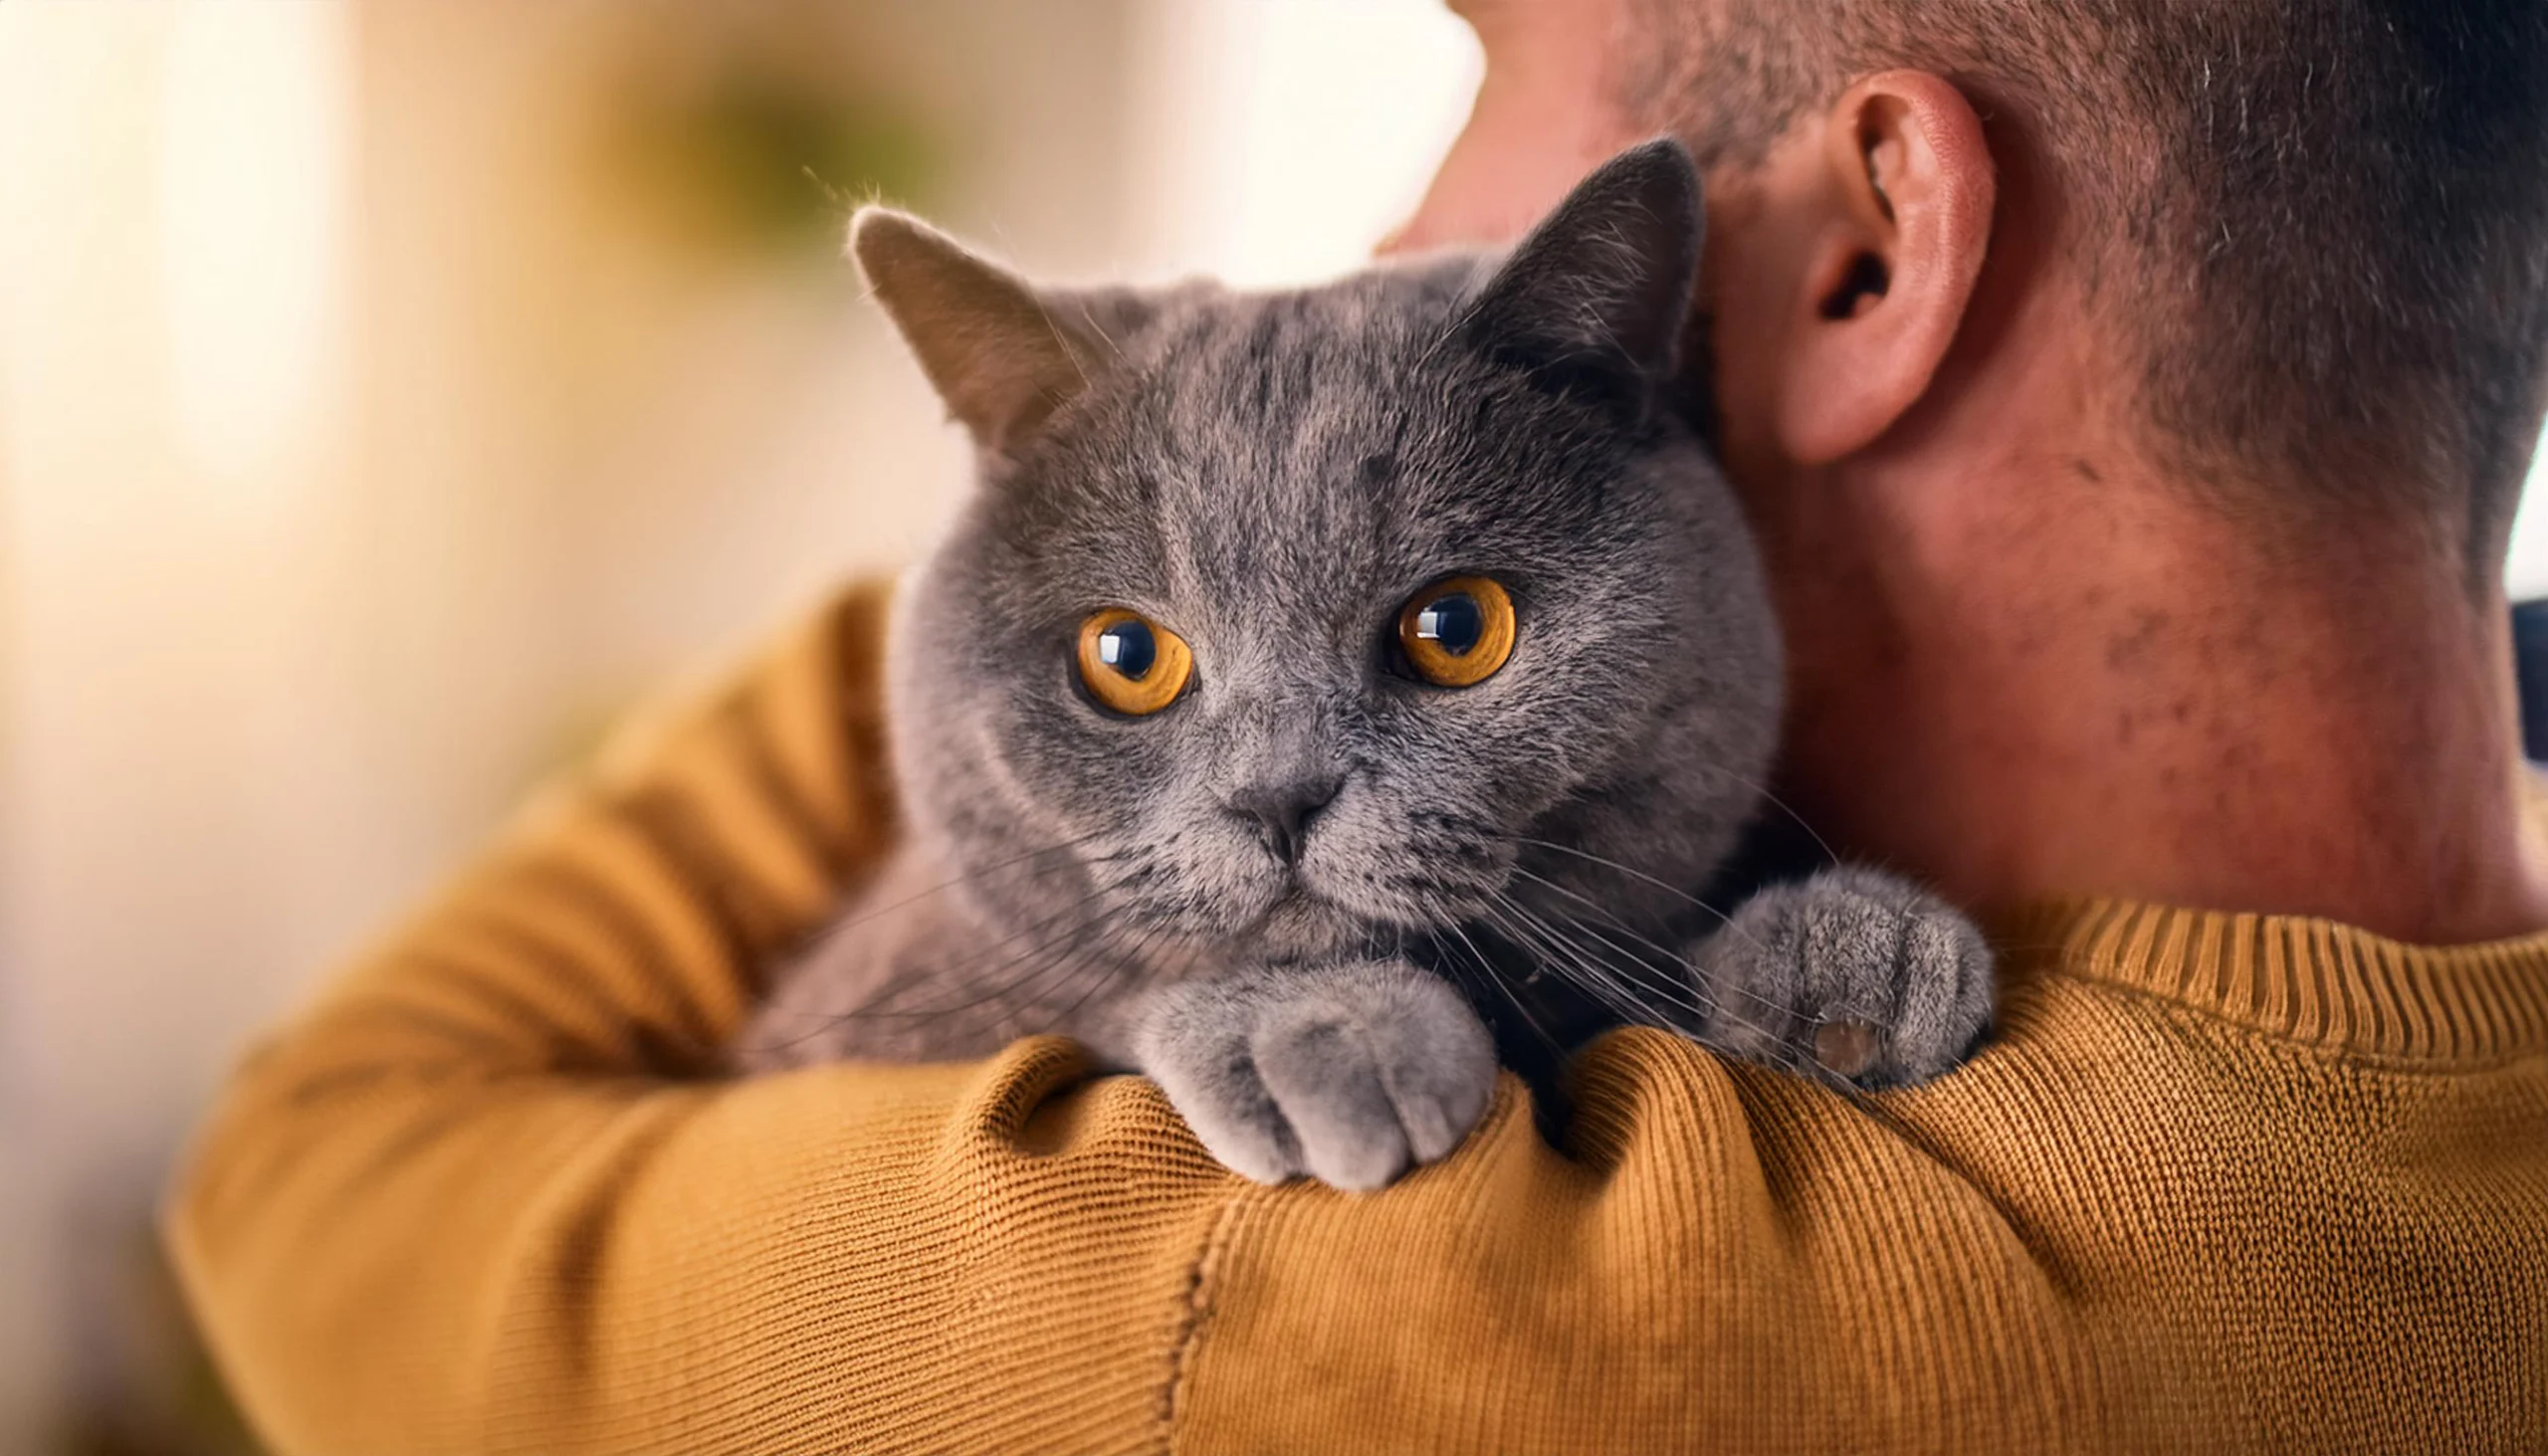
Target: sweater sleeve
<point>487,1194</point>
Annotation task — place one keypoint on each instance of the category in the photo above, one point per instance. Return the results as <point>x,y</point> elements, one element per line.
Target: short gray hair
<point>2323,223</point>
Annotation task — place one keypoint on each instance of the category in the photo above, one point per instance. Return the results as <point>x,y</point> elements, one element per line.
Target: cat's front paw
<point>1351,1074</point>
<point>1852,976</point>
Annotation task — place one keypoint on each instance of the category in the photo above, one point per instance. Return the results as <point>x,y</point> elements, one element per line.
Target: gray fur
<point>1351,1073</point>
<point>1852,973</point>
<point>1272,475</point>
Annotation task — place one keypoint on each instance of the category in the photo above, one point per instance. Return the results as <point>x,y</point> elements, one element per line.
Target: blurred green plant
<point>772,164</point>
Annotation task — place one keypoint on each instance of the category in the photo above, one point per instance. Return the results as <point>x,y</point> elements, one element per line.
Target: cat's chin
<point>1303,927</point>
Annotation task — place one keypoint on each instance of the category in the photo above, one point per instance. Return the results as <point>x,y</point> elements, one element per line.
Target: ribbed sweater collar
<point>2307,980</point>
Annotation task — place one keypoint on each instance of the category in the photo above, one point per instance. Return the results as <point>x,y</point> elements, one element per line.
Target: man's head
<point>2126,393</point>
<point>2316,234</point>
<point>2319,231</point>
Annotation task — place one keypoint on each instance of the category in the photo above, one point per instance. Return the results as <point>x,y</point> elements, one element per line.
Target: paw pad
<point>1847,1048</point>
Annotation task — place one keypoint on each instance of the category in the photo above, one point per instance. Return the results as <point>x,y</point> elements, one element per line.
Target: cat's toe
<point>1332,1093</point>
<point>1251,1136</point>
<point>1194,1043</point>
<point>1903,980</point>
<point>1351,1074</point>
<point>1852,976</point>
<point>1944,996</point>
<point>1378,1068</point>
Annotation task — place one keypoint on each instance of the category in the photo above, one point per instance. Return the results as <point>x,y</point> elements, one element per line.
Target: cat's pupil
<point>1453,622</point>
<point>1128,648</point>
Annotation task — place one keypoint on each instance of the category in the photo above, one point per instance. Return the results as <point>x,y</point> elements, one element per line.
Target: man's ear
<point>1593,301</point>
<point>1001,355</point>
<point>1891,270</point>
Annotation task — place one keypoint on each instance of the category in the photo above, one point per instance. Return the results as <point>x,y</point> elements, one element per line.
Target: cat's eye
<point>1458,632</point>
<point>1131,664</point>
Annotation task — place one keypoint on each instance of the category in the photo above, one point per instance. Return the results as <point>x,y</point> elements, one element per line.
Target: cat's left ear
<point>1002,354</point>
<point>1593,300</point>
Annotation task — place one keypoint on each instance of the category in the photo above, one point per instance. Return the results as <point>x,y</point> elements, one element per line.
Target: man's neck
<point>2096,687</point>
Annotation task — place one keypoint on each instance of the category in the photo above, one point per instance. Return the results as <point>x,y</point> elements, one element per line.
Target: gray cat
<point>1316,678</point>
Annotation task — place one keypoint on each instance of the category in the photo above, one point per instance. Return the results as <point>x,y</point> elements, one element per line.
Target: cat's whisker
<point>1064,963</point>
<point>1574,962</point>
<point>1551,928</point>
<point>1009,984</point>
<point>1830,854</point>
<point>1634,873</point>
<point>880,1011</point>
<point>1091,955</point>
<point>1512,995</point>
<point>1665,955</point>
<point>1557,958</point>
<point>1617,985</point>
<point>1549,952</point>
<point>825,933</point>
<point>939,976</point>
<point>1108,968</point>
<point>1602,910</point>
<point>1628,870</point>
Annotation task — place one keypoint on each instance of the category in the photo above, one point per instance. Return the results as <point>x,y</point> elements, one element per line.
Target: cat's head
<point>1285,623</point>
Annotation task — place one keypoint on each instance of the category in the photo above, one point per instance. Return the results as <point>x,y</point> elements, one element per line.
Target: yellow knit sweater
<point>2222,1182</point>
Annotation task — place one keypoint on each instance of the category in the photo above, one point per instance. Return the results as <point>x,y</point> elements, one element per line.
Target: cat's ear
<point>1002,355</point>
<point>1593,300</point>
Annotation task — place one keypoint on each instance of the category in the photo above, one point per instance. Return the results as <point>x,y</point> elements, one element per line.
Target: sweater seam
<point>1201,1293</point>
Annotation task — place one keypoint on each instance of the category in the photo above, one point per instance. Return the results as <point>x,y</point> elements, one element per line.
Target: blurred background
<point>393,391</point>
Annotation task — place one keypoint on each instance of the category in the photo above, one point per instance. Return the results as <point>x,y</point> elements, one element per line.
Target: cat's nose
<point>1283,812</point>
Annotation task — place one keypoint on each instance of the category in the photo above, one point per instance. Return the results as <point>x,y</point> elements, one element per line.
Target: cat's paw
<point>1852,976</point>
<point>1351,1074</point>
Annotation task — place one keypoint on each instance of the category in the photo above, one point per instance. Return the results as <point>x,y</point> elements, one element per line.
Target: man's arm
<point>487,1197</point>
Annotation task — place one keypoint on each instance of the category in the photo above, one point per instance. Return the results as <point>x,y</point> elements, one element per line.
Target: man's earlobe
<point>1000,354</point>
<point>1895,264</point>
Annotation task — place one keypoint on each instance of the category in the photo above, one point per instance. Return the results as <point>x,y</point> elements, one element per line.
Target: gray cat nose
<point>1283,812</point>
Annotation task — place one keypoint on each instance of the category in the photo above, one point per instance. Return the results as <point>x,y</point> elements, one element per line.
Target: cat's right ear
<point>999,358</point>
<point>1593,300</point>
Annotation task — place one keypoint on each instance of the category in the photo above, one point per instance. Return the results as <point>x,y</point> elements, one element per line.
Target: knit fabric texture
<point>2220,1182</point>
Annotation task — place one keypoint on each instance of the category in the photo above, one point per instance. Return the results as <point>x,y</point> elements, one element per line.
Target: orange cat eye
<point>1457,633</point>
<point>1131,664</point>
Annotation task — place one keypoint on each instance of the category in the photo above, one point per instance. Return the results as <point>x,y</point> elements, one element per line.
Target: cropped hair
<point>2321,225</point>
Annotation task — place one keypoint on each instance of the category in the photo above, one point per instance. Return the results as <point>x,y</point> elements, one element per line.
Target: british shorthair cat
<point>1323,688</point>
